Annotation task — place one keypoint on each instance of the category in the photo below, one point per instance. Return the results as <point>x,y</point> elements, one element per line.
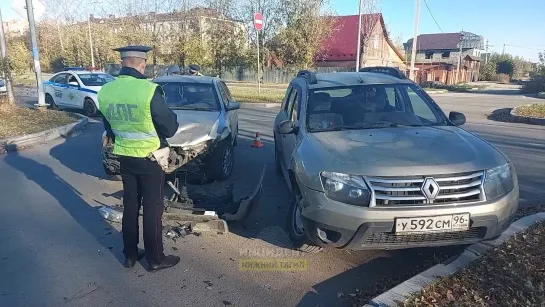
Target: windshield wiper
<point>192,108</point>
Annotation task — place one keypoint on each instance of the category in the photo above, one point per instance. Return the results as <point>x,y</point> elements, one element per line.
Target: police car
<point>75,88</point>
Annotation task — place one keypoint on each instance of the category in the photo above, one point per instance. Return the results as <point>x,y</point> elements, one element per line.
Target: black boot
<point>130,262</point>
<point>168,262</point>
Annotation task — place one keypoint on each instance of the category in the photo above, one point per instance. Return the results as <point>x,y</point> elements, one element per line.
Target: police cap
<point>134,51</point>
<point>173,69</point>
<point>194,67</point>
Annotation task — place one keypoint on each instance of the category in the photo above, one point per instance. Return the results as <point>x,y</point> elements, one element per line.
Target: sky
<point>517,24</point>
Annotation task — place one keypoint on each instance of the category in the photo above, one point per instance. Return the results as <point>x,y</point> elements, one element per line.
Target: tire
<point>51,102</point>
<point>89,108</point>
<point>297,234</point>
<point>219,165</point>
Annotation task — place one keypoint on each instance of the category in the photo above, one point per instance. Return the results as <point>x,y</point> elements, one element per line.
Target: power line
<point>525,47</point>
<point>425,2</point>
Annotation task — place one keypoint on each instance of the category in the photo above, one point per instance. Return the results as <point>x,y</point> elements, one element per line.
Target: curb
<point>418,282</point>
<point>437,92</point>
<point>525,119</point>
<point>20,142</point>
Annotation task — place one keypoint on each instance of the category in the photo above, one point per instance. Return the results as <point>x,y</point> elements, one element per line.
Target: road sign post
<point>258,25</point>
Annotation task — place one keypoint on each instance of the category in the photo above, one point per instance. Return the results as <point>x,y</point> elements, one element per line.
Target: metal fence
<point>237,73</point>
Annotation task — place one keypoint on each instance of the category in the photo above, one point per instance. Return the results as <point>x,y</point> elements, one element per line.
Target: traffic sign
<point>258,21</point>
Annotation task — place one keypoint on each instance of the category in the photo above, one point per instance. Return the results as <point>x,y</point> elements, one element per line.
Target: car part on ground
<point>373,163</point>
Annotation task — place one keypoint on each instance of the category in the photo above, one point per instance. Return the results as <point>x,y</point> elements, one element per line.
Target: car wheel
<point>89,108</point>
<point>51,102</point>
<point>221,161</point>
<point>295,227</point>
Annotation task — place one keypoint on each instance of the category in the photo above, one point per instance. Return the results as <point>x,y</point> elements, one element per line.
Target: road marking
<point>536,144</point>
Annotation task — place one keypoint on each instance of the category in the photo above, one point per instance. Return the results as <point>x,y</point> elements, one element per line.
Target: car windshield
<point>2,83</point>
<point>95,79</point>
<point>371,107</point>
<point>190,96</point>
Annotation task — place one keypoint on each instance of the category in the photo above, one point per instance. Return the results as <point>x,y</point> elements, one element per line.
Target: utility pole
<point>415,36</point>
<point>359,38</point>
<point>5,74</point>
<point>486,53</point>
<point>459,57</point>
<point>503,51</point>
<point>35,53</point>
<point>91,42</point>
<point>60,36</point>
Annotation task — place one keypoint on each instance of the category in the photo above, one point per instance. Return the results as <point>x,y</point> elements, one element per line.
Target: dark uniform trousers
<point>143,183</point>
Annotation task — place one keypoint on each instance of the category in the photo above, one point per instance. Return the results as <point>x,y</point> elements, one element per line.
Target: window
<point>190,96</point>
<point>225,94</point>
<point>294,105</point>
<point>370,107</point>
<point>421,105</point>
<point>60,78</point>
<point>95,79</point>
<point>286,103</point>
<point>445,55</point>
<point>72,78</point>
<point>429,55</point>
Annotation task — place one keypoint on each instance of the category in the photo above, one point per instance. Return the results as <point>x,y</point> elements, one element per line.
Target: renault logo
<point>430,188</point>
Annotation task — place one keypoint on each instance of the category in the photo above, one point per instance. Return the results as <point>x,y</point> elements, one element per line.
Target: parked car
<point>75,89</point>
<point>208,118</point>
<point>372,162</point>
<point>3,87</point>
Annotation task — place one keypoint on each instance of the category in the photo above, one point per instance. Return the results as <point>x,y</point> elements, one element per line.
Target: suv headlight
<point>498,181</point>
<point>345,188</point>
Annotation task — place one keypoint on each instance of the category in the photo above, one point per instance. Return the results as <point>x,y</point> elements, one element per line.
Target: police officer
<point>194,70</point>
<point>174,70</point>
<point>137,118</point>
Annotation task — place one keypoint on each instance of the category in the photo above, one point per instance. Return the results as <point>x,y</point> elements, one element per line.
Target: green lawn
<point>534,110</point>
<point>251,95</point>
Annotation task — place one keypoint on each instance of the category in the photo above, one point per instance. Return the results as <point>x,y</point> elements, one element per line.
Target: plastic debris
<point>178,231</point>
<point>111,214</point>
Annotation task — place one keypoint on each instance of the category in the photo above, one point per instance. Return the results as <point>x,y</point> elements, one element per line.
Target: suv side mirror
<point>457,118</point>
<point>233,105</point>
<point>73,83</point>
<point>287,127</point>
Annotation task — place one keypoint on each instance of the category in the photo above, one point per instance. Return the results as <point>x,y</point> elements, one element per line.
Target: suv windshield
<point>95,79</point>
<point>371,106</point>
<point>190,96</point>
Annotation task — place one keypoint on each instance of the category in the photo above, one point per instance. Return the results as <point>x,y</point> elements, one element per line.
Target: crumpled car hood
<point>195,127</point>
<point>404,151</point>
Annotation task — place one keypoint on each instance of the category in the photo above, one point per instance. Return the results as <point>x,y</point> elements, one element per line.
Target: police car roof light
<point>75,68</point>
<point>392,71</point>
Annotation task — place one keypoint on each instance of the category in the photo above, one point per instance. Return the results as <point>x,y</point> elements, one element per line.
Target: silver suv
<point>373,163</point>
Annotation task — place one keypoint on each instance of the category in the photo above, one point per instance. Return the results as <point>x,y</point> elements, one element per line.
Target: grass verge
<point>436,295</point>
<point>251,95</point>
<point>18,121</point>
<point>535,110</point>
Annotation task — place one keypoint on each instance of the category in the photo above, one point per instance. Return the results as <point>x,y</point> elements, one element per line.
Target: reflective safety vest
<point>126,104</point>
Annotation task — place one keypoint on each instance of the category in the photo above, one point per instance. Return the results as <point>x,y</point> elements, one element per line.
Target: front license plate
<point>454,222</point>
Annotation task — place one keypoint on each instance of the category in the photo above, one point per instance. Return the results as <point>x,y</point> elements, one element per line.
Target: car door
<point>57,88</point>
<point>231,115</point>
<point>289,141</point>
<point>74,96</point>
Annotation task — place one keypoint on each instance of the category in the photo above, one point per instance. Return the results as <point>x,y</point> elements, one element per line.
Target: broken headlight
<point>348,189</point>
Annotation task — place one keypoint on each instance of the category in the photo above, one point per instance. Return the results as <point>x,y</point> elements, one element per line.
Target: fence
<point>236,74</point>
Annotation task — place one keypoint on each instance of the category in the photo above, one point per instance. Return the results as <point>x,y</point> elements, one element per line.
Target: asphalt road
<point>55,250</point>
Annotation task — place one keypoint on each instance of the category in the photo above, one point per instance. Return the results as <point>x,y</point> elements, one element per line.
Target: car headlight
<point>498,181</point>
<point>345,188</point>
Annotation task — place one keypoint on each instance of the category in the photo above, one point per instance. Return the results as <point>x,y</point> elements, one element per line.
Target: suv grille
<point>405,239</point>
<point>458,188</point>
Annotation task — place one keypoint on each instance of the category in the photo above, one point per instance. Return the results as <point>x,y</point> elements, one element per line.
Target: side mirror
<point>457,118</point>
<point>73,83</point>
<point>287,127</point>
<point>233,106</point>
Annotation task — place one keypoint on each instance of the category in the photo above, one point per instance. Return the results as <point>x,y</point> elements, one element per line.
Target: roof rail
<point>392,71</point>
<point>307,75</point>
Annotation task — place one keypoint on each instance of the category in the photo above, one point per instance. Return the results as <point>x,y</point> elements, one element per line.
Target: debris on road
<point>177,232</point>
<point>111,214</point>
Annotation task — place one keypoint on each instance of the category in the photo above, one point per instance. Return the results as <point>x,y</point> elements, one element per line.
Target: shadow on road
<point>88,159</point>
<point>70,199</point>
